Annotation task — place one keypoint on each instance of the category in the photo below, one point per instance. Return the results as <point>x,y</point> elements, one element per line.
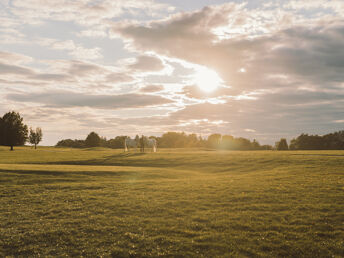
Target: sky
<point>257,69</point>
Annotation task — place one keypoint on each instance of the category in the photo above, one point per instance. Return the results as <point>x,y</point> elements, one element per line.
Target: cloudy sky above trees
<point>261,69</point>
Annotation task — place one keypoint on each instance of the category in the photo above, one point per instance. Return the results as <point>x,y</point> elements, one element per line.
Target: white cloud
<point>94,33</point>
<point>74,50</point>
<point>65,99</point>
<point>14,58</point>
<point>85,12</point>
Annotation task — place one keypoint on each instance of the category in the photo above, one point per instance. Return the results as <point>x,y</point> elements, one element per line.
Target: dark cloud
<point>147,63</point>
<point>152,88</point>
<point>51,77</point>
<point>66,71</point>
<point>118,77</point>
<point>72,99</point>
<point>15,69</point>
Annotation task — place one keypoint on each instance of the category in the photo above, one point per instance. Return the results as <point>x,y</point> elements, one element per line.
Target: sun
<point>207,80</point>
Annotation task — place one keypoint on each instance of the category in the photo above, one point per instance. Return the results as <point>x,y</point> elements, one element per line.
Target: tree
<point>1,132</point>
<point>13,130</point>
<point>137,139</point>
<point>255,145</point>
<point>35,136</point>
<point>282,144</point>
<point>172,140</point>
<point>116,143</point>
<point>103,142</point>
<point>92,140</point>
<point>142,143</point>
<point>243,143</point>
<point>293,144</point>
<point>71,143</point>
<point>214,140</point>
<point>227,142</point>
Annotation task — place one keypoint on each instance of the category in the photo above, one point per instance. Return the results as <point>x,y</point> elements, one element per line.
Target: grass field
<point>102,202</point>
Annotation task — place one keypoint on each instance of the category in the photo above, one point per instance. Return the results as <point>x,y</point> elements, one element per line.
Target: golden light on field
<point>207,80</point>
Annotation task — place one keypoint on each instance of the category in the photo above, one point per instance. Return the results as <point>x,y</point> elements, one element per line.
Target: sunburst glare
<point>207,80</point>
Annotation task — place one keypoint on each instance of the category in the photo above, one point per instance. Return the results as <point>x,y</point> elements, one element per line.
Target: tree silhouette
<point>137,139</point>
<point>92,140</point>
<point>35,136</point>
<point>214,140</point>
<point>282,144</point>
<point>13,130</point>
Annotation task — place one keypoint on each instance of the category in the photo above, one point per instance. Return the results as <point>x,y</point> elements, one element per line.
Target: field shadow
<point>71,173</point>
<point>126,160</point>
<point>326,155</point>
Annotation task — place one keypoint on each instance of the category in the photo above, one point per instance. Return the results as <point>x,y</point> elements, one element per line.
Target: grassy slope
<point>175,202</point>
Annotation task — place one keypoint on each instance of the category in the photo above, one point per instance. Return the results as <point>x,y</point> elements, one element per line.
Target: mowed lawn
<point>177,202</point>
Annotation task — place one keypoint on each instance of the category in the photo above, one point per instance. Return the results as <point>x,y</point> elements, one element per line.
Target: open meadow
<point>176,202</point>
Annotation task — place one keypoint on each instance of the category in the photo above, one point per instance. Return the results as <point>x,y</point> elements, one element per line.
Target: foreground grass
<point>101,202</point>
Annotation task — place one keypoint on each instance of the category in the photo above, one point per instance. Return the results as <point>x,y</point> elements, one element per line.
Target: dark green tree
<point>103,142</point>
<point>255,145</point>
<point>282,144</point>
<point>13,130</point>
<point>92,140</point>
<point>116,143</point>
<point>71,143</point>
<point>1,132</point>
<point>243,144</point>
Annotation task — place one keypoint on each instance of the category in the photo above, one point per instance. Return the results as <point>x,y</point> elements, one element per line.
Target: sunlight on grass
<point>101,202</point>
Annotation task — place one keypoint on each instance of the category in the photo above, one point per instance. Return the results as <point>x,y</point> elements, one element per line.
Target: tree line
<point>13,132</point>
<point>170,140</point>
<point>332,141</point>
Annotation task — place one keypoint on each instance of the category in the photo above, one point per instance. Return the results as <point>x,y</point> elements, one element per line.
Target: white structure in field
<point>147,142</point>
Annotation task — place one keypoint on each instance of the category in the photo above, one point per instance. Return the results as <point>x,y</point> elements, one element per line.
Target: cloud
<point>281,63</point>
<point>15,69</point>
<point>273,114</point>
<point>152,88</point>
<point>147,63</point>
<point>193,91</point>
<point>51,77</point>
<point>119,77</point>
<point>93,33</point>
<point>65,99</point>
<point>14,58</point>
<point>183,29</point>
<point>23,72</point>
<point>81,68</point>
<point>83,12</point>
<point>286,55</point>
<point>86,53</point>
<point>68,71</point>
<point>75,50</point>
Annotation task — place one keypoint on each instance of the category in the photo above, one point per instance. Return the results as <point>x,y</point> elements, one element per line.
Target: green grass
<point>102,202</point>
